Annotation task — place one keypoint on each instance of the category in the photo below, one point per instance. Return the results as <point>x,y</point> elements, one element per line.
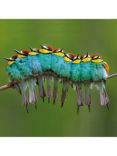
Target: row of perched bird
<point>79,69</point>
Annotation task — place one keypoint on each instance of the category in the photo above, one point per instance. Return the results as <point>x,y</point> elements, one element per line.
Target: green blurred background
<point>78,36</point>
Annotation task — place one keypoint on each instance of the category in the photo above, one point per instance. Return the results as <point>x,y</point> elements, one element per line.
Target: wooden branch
<point>11,84</point>
<point>6,86</point>
<point>112,75</point>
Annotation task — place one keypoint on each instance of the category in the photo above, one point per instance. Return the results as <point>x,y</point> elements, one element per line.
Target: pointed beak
<point>9,59</point>
<point>19,52</point>
<point>33,49</point>
<point>44,47</point>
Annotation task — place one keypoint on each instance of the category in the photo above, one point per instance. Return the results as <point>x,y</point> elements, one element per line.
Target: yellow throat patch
<point>97,60</point>
<point>77,61</point>
<point>59,54</point>
<point>20,56</point>
<point>32,53</point>
<point>10,62</point>
<point>44,51</point>
<point>86,59</point>
<point>67,59</point>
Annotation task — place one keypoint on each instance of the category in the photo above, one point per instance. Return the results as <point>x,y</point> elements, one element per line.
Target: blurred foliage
<point>78,36</point>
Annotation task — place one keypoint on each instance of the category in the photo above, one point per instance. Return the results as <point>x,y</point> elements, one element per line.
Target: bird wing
<point>106,66</point>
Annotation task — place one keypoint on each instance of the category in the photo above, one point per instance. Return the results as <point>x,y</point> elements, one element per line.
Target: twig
<point>11,84</point>
<point>112,75</point>
<point>6,86</point>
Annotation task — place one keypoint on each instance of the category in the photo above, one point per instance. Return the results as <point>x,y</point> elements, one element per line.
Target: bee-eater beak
<point>44,47</point>
<point>9,59</point>
<point>20,52</point>
<point>33,49</point>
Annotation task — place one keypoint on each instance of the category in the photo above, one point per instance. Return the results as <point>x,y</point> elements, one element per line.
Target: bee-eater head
<point>76,59</point>
<point>72,55</point>
<point>24,53</point>
<point>59,52</point>
<point>45,49</point>
<point>86,58</point>
<point>32,53</point>
<point>21,54</point>
<point>67,57</point>
<point>96,58</point>
<point>10,60</point>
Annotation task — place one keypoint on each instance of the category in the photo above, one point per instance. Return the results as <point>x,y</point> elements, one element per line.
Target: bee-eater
<point>99,74</point>
<point>76,78</point>
<point>57,59</point>
<point>15,74</point>
<point>45,59</point>
<point>65,71</point>
<point>86,77</point>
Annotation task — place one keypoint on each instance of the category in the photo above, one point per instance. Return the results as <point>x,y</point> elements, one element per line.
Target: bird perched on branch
<point>86,76</point>
<point>100,73</point>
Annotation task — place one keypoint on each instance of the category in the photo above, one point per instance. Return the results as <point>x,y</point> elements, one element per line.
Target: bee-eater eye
<point>14,57</point>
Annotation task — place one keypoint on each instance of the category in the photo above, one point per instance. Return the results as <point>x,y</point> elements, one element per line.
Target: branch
<point>112,75</point>
<point>11,84</point>
<point>6,86</point>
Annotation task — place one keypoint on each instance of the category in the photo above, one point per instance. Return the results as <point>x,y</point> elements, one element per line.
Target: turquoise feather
<point>13,72</point>
<point>60,67</point>
<point>75,72</point>
<point>34,64</point>
<point>23,67</point>
<point>98,72</point>
<point>56,61</point>
<point>45,61</point>
<point>85,71</point>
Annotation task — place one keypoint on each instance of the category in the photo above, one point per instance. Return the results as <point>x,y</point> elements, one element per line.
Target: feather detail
<point>56,80</point>
<point>48,88</point>
<point>104,99</point>
<point>41,87</point>
<point>32,94</point>
<point>17,88</point>
<point>79,95</point>
<point>23,87</point>
<point>106,66</point>
<point>88,95</point>
<point>64,92</point>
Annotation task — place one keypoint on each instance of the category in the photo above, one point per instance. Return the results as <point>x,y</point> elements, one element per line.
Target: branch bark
<point>11,84</point>
<point>112,75</point>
